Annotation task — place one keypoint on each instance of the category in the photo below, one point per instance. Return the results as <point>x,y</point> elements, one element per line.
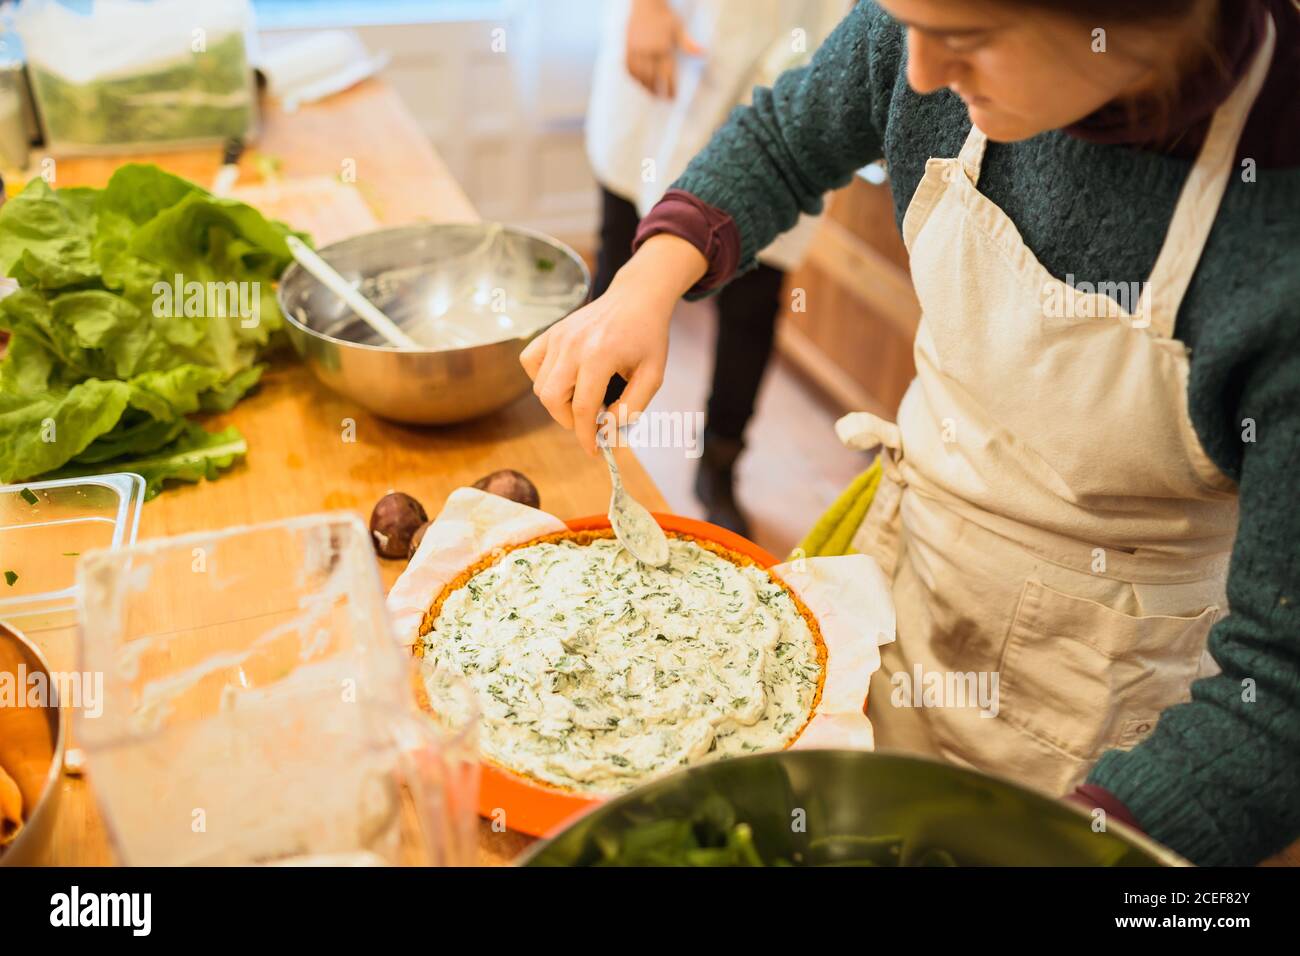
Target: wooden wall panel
<point>854,337</point>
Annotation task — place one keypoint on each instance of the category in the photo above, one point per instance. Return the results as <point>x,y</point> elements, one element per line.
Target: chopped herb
<point>11,577</point>
<point>29,496</point>
<point>545,265</point>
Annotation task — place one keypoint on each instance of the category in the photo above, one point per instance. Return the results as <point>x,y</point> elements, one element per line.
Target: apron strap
<point>972,153</point>
<point>1198,203</point>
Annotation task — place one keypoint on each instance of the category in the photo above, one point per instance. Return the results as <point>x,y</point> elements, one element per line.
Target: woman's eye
<point>965,44</point>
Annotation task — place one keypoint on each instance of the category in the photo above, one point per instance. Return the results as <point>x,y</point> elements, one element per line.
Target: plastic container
<point>15,144</point>
<point>256,709</point>
<point>131,76</point>
<point>45,526</point>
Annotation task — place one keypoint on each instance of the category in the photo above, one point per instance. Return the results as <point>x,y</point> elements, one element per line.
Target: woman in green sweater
<point>1090,481</point>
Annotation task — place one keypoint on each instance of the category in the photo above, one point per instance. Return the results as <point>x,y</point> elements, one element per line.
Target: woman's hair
<point>1127,11</point>
<point>1196,23</point>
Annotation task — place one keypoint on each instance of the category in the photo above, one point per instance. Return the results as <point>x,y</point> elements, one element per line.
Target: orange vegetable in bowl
<point>11,809</point>
<point>26,737</point>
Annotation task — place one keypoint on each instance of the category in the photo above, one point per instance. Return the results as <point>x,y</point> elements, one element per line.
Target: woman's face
<point>1020,70</point>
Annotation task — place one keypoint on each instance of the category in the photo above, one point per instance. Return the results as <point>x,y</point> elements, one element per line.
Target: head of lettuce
<point>138,306</point>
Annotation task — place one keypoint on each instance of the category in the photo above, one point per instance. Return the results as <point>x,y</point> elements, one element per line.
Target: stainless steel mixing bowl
<point>29,847</point>
<point>893,808</point>
<point>413,273</point>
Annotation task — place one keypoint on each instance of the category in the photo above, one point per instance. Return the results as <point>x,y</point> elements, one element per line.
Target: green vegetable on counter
<point>140,305</point>
<point>11,577</point>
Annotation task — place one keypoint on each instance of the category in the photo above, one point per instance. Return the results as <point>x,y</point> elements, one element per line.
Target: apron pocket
<point>1084,678</point>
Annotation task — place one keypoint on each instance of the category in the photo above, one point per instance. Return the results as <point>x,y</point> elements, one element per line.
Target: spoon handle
<point>357,302</point>
<point>602,442</point>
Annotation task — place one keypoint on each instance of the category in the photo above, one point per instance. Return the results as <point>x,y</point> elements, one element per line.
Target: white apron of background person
<point>747,43</point>
<point>1047,513</point>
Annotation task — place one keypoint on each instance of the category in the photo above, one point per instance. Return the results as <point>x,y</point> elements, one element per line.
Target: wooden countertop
<point>297,461</point>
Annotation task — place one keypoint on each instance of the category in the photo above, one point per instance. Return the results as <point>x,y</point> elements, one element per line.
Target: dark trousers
<point>747,311</point>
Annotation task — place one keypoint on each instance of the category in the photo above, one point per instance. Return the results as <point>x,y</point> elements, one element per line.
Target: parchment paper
<point>848,596</point>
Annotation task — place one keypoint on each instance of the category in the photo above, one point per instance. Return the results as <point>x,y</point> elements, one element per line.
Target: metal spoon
<point>357,302</point>
<point>633,525</point>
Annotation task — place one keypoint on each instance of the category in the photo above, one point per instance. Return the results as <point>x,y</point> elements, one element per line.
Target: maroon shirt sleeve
<point>1091,797</point>
<point>706,227</point>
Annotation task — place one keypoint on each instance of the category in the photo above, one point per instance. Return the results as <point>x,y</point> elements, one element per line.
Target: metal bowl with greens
<point>841,808</point>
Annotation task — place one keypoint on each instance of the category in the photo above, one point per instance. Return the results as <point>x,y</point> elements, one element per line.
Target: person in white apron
<point>1057,536</point>
<point>1081,568</point>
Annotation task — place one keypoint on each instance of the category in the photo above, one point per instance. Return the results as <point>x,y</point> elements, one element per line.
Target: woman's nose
<point>928,63</point>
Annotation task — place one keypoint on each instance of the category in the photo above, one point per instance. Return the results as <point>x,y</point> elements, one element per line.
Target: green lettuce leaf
<point>193,456</point>
<point>47,238</point>
<point>38,433</point>
<point>145,434</point>
<point>139,305</point>
<point>222,398</point>
<point>174,393</point>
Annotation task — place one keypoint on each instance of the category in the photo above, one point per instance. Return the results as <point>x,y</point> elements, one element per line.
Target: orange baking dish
<point>534,808</point>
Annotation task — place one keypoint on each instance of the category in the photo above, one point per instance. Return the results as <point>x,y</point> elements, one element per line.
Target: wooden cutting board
<point>326,209</point>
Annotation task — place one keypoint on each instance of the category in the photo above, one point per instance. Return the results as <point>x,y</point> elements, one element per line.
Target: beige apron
<point>1049,518</point>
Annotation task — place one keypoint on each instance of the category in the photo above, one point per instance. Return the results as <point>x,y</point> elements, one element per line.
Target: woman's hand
<point>654,35</point>
<point>625,331</point>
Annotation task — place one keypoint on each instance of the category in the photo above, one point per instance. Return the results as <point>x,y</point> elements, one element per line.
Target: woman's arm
<point>624,332</point>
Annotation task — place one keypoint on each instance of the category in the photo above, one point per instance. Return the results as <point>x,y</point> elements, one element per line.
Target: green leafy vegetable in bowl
<point>712,836</point>
<point>139,305</point>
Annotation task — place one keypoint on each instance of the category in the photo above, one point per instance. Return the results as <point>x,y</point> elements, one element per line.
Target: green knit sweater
<point>1219,779</point>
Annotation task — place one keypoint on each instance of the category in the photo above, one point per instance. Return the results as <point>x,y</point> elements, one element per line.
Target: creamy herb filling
<point>595,672</point>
